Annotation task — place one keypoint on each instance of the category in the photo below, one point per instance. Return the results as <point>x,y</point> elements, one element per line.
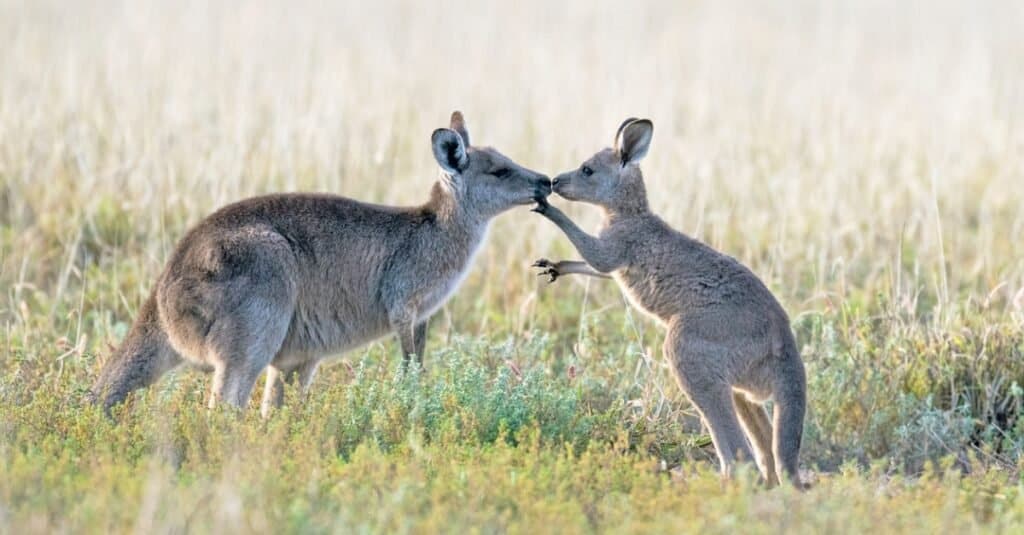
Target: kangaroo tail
<point>143,357</point>
<point>790,405</point>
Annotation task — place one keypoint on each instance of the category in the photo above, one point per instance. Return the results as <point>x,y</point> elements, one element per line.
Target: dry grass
<point>865,159</point>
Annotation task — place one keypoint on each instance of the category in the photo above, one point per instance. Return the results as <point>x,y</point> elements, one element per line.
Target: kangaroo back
<point>142,358</point>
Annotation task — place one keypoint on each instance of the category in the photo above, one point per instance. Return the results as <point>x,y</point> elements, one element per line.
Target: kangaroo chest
<point>645,291</point>
<point>444,271</point>
<point>652,278</point>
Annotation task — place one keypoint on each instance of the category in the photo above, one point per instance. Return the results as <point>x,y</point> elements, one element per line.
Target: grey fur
<point>281,281</point>
<point>729,341</point>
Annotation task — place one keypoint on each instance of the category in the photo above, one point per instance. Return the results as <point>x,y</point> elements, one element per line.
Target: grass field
<point>866,159</point>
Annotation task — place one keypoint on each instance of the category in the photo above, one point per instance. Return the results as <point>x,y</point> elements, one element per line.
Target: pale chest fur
<point>642,294</point>
<point>450,271</point>
<point>645,277</point>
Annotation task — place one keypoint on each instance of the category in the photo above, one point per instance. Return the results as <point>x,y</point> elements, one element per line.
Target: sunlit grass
<point>864,159</point>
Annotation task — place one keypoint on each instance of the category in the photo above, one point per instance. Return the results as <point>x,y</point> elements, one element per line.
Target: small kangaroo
<point>729,341</point>
<point>281,281</point>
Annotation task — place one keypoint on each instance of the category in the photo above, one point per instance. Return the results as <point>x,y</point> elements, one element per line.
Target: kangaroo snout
<point>542,187</point>
<point>559,184</point>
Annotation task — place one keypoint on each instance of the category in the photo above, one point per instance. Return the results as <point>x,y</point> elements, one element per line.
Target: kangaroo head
<point>611,178</point>
<point>481,179</point>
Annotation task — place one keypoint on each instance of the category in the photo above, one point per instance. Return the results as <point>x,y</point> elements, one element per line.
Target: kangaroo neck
<point>630,201</point>
<point>637,207</point>
<point>451,216</point>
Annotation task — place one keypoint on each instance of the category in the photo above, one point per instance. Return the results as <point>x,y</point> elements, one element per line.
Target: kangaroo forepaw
<point>542,206</point>
<point>548,268</point>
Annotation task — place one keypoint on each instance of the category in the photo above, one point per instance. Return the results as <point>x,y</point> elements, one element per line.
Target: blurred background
<point>866,159</point>
<point>825,144</point>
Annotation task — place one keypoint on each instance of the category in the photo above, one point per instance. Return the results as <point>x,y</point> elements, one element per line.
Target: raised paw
<point>542,205</point>
<point>548,268</point>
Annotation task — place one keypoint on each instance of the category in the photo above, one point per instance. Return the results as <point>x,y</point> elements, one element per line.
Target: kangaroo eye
<point>587,171</point>
<point>504,172</point>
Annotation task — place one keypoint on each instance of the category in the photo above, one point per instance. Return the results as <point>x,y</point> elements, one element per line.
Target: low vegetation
<point>869,173</point>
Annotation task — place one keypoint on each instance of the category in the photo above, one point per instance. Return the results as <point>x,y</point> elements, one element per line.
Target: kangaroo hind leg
<point>715,406</point>
<point>241,345</point>
<point>696,366</point>
<point>273,392</point>
<point>758,429</point>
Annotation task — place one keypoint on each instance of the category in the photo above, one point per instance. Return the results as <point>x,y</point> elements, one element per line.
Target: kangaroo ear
<point>449,150</point>
<point>633,140</point>
<point>618,133</point>
<point>458,124</point>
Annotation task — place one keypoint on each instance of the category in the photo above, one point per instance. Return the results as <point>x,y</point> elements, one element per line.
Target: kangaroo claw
<point>551,272</point>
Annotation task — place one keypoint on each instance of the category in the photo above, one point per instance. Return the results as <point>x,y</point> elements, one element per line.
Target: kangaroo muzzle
<point>542,188</point>
<point>559,183</point>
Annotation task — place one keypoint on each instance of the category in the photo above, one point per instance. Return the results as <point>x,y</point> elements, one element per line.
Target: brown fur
<point>729,341</point>
<point>281,281</point>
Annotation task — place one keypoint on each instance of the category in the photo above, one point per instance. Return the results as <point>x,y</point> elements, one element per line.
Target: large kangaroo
<point>729,340</point>
<point>281,281</point>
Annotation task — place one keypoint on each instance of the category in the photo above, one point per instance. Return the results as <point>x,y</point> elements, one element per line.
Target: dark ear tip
<point>622,127</point>
<point>643,124</point>
<point>457,116</point>
<point>624,124</point>
<point>637,122</point>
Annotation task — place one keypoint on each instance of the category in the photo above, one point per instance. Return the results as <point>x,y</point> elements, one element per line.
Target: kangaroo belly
<point>334,328</point>
<point>643,293</point>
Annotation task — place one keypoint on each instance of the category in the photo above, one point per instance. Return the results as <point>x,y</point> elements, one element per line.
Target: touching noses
<point>544,186</point>
<point>557,181</point>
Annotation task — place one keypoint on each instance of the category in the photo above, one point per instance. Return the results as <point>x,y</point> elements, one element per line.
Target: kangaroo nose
<point>544,182</point>
<point>543,187</point>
